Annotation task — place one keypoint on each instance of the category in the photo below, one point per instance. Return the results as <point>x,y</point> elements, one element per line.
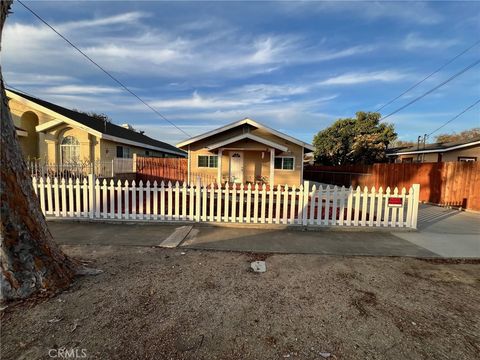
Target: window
<point>123,152</point>
<point>147,153</point>
<point>284,162</point>
<point>70,149</point>
<point>407,160</point>
<point>467,158</point>
<point>208,161</point>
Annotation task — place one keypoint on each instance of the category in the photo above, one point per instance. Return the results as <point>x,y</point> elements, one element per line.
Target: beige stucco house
<point>58,135</point>
<point>465,150</point>
<point>247,151</point>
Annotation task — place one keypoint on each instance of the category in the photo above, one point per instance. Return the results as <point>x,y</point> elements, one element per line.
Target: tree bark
<point>30,260</point>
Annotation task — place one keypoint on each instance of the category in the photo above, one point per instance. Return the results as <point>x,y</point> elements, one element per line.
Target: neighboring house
<point>466,150</point>
<point>54,134</point>
<point>247,152</point>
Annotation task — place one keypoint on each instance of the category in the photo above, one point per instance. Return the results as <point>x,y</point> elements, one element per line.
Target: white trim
<point>241,122</point>
<point>206,167</point>
<point>284,156</point>
<point>251,137</point>
<point>48,125</point>
<point>61,118</point>
<point>473,143</point>
<point>22,132</point>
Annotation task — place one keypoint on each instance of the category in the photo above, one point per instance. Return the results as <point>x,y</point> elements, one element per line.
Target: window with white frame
<point>70,149</point>
<point>284,162</point>
<point>208,161</point>
<point>467,158</point>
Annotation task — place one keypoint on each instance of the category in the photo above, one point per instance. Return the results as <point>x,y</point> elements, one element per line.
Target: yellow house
<point>464,150</point>
<point>247,151</point>
<point>57,135</point>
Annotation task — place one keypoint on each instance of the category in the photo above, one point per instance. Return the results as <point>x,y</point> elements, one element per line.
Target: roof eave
<point>240,122</point>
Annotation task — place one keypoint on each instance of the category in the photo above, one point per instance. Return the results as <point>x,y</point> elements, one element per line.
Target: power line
<point>8,86</point>
<point>429,76</point>
<point>455,117</point>
<point>102,69</point>
<point>432,90</point>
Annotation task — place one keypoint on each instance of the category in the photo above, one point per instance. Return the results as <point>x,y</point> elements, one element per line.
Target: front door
<point>236,166</point>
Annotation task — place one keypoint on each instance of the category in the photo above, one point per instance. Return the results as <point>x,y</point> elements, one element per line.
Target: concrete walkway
<point>442,233</point>
<point>96,233</point>
<point>379,243</point>
<point>446,232</point>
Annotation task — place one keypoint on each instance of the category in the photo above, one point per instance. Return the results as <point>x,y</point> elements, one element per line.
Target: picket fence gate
<point>258,204</point>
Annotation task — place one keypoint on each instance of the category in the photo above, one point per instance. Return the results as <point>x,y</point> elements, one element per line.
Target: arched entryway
<point>28,122</point>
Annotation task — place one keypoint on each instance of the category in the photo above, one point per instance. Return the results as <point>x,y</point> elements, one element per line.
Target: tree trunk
<point>30,260</point>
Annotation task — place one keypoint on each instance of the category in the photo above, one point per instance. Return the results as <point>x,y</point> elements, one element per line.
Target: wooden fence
<point>325,206</point>
<point>445,183</point>
<point>168,169</point>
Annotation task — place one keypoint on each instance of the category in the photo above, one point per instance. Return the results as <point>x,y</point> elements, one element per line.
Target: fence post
<point>306,193</point>
<point>91,195</point>
<point>113,173</point>
<point>416,200</point>
<point>198,192</point>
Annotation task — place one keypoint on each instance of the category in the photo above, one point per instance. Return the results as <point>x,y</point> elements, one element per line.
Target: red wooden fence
<point>445,183</point>
<point>166,169</point>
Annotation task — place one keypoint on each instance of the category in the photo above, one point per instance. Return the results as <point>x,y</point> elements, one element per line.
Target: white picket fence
<point>325,206</point>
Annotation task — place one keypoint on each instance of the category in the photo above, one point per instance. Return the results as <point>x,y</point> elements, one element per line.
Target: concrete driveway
<point>446,232</point>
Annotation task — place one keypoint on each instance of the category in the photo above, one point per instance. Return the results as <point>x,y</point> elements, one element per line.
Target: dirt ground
<point>155,303</point>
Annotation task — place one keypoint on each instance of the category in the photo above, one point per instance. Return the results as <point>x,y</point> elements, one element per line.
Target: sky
<point>294,66</point>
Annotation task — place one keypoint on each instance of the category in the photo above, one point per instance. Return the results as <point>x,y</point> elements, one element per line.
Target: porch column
<point>272,166</point>
<point>219,164</point>
<point>53,151</point>
<point>189,160</point>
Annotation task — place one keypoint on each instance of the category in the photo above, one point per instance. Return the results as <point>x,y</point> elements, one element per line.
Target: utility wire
<point>102,69</point>
<point>8,86</point>
<point>429,76</point>
<point>455,117</point>
<point>432,90</point>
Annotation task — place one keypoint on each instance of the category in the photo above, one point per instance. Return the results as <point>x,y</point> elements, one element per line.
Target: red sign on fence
<point>395,202</point>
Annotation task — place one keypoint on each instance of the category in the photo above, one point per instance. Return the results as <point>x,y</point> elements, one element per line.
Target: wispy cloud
<point>174,53</point>
<point>354,78</point>
<point>412,12</point>
<point>123,19</point>
<point>414,41</point>
<point>81,89</point>
<point>32,79</point>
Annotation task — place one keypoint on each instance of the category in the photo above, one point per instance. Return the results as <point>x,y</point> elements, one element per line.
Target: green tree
<point>360,140</point>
